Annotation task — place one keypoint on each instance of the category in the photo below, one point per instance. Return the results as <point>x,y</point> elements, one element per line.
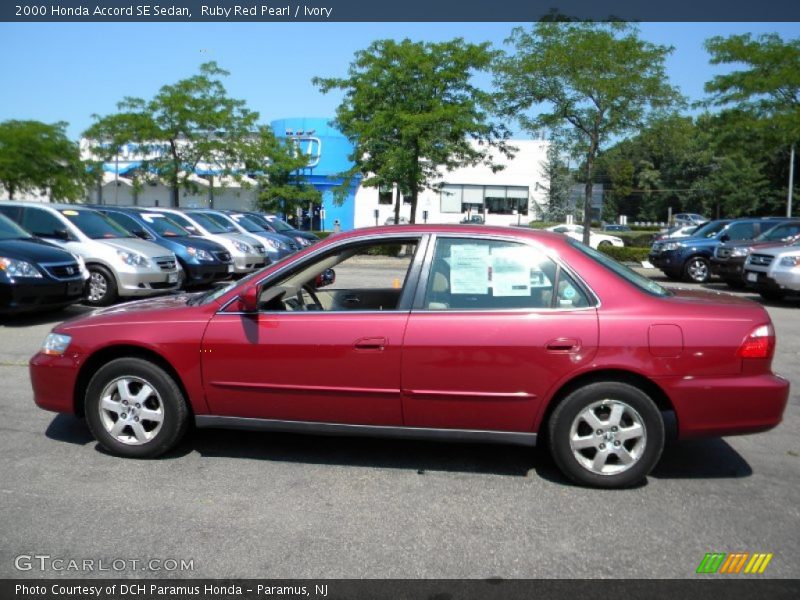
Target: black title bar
<point>406,10</point>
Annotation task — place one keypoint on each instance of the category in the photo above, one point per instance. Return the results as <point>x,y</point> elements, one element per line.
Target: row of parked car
<point>761,253</point>
<point>52,255</point>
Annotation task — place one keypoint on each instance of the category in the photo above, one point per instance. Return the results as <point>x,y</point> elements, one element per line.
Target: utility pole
<point>791,182</point>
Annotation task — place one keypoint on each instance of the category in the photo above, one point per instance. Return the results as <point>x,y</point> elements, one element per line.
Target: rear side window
<point>468,274</point>
<point>41,223</point>
<point>741,231</point>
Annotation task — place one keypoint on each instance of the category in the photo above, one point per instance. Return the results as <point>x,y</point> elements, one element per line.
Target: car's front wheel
<point>101,289</point>
<point>135,409</point>
<point>606,434</point>
<point>697,270</point>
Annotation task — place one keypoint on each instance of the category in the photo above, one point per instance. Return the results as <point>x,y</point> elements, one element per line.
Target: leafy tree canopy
<point>591,82</point>
<point>411,109</point>
<point>36,156</point>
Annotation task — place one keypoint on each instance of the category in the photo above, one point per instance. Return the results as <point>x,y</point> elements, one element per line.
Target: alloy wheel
<point>98,286</point>
<point>131,410</point>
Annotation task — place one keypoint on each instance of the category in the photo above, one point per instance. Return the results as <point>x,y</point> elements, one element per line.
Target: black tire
<point>568,420</point>
<point>697,269</point>
<point>772,295</point>
<point>100,278</point>
<point>167,395</point>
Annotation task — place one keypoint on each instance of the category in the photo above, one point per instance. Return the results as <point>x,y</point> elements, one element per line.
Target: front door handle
<point>370,344</point>
<point>564,345</point>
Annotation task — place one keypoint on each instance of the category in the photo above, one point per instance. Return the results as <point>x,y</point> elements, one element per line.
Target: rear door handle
<point>563,345</point>
<point>371,344</point>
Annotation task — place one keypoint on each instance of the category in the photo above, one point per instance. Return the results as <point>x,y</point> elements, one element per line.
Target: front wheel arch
<point>106,355</point>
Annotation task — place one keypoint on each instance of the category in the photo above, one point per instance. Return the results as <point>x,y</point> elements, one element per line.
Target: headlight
<point>671,246</point>
<point>790,261</point>
<point>273,245</point>
<point>199,253</point>
<point>56,344</point>
<point>260,249</point>
<point>18,268</point>
<point>134,259</point>
<point>242,247</point>
<point>302,241</point>
<point>740,251</point>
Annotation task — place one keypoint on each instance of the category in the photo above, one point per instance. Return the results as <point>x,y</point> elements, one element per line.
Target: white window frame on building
<point>472,199</point>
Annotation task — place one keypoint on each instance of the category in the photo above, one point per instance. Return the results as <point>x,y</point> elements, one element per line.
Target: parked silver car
<point>277,246</point>
<point>119,263</point>
<point>774,271</point>
<point>247,254</point>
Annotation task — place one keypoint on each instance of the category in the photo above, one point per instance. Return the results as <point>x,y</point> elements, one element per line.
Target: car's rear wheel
<point>606,434</point>
<point>135,409</point>
<point>604,244</point>
<point>697,269</point>
<point>101,289</point>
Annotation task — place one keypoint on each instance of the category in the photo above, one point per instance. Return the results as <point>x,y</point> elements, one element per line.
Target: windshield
<point>248,224</point>
<point>95,225</point>
<point>779,232</point>
<point>643,283</point>
<point>210,224</point>
<point>222,221</point>
<point>11,231</point>
<point>164,226</point>
<point>279,225</point>
<point>710,229</point>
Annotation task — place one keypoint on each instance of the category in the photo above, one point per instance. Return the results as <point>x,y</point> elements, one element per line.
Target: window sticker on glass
<point>150,216</point>
<point>511,272</point>
<point>469,269</point>
<point>70,213</point>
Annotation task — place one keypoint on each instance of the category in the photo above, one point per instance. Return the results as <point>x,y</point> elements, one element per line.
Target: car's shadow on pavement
<point>711,458</point>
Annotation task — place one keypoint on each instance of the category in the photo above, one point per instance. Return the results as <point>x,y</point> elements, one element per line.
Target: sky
<point>69,71</point>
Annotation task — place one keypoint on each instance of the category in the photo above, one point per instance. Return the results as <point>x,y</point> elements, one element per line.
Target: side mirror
<point>724,237</point>
<point>141,233</point>
<point>61,234</point>
<point>248,299</point>
<point>327,277</point>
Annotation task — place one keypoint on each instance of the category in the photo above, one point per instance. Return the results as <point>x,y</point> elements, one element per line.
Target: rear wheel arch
<point>648,386</point>
<point>106,355</point>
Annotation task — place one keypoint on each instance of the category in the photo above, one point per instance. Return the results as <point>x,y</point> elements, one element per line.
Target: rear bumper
<point>39,295</point>
<point>53,381</point>
<point>709,407</point>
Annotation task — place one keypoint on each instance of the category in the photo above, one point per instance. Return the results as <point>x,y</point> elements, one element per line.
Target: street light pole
<point>791,182</point>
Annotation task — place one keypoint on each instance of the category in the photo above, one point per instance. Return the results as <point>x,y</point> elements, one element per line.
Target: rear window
<point>640,281</point>
<point>95,225</point>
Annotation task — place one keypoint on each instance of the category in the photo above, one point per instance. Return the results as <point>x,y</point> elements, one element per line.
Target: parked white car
<point>596,240</point>
<point>774,271</point>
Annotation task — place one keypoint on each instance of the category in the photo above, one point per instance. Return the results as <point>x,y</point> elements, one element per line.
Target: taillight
<point>759,344</point>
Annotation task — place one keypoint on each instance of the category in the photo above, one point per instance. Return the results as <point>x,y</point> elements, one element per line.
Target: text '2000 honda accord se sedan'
<point>444,332</point>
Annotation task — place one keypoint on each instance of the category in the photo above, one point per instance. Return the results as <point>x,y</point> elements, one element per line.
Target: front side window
<point>779,232</point>
<point>741,231</point>
<point>366,277</point>
<point>470,274</point>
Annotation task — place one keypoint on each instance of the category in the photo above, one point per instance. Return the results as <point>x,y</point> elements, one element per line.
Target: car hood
<point>195,242</point>
<point>148,249</point>
<point>34,250</point>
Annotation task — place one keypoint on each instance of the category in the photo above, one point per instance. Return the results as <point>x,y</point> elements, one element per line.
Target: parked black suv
<point>35,275</point>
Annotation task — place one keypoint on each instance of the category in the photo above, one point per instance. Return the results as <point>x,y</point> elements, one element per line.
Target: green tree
<point>36,156</point>
<point>591,81</point>
<point>410,109</point>
<point>278,165</point>
<point>185,124</point>
<point>558,188</point>
<point>768,87</point>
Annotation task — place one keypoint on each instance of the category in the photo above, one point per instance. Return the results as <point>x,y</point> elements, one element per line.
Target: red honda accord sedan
<point>443,332</point>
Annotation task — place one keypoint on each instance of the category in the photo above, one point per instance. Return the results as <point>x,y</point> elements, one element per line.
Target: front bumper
<point>53,379</point>
<point>666,261</point>
<point>246,263</point>
<point>775,279</point>
<point>709,406</point>
<point>732,268</point>
<point>203,274</point>
<point>41,294</point>
<point>147,281</point>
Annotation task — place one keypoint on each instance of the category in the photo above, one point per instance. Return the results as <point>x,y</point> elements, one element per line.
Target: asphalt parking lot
<point>247,504</point>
